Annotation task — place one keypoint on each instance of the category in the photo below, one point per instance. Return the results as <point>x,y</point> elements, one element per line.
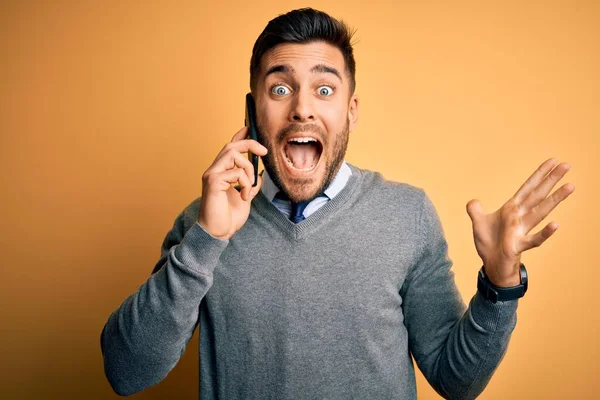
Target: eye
<point>280,90</point>
<point>325,91</point>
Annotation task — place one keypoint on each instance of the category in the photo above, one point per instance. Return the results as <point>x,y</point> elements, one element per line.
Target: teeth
<point>303,140</point>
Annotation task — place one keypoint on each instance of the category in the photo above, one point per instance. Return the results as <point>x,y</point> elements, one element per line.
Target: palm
<point>501,237</point>
<point>496,241</point>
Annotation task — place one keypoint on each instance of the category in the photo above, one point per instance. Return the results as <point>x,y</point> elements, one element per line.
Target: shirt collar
<point>269,188</point>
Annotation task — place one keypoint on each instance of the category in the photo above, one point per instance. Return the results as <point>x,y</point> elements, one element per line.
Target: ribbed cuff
<point>199,250</point>
<point>499,316</point>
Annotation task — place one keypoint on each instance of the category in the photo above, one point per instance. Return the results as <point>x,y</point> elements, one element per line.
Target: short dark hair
<point>303,26</point>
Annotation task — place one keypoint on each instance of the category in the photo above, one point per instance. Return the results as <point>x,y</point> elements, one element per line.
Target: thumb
<point>475,210</point>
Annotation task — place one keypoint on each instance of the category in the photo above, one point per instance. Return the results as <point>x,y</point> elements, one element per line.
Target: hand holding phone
<point>223,208</point>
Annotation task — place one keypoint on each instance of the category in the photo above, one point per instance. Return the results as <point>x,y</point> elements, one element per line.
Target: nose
<point>302,107</point>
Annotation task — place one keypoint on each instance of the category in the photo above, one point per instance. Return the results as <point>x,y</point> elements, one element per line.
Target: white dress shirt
<point>269,189</point>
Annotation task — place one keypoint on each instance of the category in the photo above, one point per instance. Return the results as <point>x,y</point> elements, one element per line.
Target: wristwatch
<point>495,293</point>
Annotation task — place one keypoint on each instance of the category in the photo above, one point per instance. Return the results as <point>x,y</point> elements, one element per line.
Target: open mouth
<point>303,153</point>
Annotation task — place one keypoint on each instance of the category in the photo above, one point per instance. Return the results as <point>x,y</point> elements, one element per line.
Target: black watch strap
<point>495,293</point>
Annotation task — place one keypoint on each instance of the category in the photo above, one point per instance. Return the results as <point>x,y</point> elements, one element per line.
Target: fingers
<point>247,194</point>
<point>241,134</point>
<point>221,181</point>
<point>218,176</point>
<point>252,191</point>
<point>244,146</point>
<point>540,237</point>
<point>540,192</point>
<point>232,159</point>
<point>532,182</point>
<point>541,211</point>
<point>255,189</point>
<point>230,156</point>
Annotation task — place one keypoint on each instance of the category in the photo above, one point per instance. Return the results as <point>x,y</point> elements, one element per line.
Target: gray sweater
<point>330,308</point>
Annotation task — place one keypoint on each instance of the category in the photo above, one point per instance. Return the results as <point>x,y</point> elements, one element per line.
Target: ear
<point>353,112</point>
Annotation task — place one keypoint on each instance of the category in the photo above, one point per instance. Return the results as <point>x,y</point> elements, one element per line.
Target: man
<point>322,280</point>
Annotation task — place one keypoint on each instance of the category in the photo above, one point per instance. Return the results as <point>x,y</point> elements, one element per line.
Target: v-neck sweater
<point>330,308</point>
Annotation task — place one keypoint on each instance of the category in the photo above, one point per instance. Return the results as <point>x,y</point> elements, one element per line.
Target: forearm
<point>145,337</point>
<point>456,347</point>
<point>474,349</point>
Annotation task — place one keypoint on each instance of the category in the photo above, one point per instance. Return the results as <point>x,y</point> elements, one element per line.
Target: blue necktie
<point>297,208</point>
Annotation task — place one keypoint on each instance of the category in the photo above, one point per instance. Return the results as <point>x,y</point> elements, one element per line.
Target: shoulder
<point>376,187</point>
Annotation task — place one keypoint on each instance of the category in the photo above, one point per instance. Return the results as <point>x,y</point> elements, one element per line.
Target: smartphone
<point>250,122</point>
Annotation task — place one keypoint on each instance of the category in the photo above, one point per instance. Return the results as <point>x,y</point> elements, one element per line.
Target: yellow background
<point>111,111</point>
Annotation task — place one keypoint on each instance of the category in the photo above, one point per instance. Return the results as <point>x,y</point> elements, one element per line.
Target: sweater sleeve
<point>144,338</point>
<point>457,348</point>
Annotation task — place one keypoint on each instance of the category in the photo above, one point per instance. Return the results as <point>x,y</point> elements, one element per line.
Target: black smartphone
<point>250,122</point>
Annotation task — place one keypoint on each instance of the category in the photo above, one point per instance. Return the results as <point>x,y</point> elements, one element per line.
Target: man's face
<point>305,113</point>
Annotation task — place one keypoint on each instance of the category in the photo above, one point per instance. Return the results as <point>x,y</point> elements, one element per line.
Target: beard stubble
<point>297,190</point>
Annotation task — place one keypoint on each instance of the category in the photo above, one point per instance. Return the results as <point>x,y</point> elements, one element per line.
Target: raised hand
<point>501,237</point>
<point>224,210</point>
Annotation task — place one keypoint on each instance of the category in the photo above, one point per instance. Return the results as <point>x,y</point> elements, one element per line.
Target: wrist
<point>495,293</point>
<point>503,281</point>
<point>204,227</point>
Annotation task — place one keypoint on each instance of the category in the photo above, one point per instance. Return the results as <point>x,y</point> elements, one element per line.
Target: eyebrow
<point>319,68</point>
